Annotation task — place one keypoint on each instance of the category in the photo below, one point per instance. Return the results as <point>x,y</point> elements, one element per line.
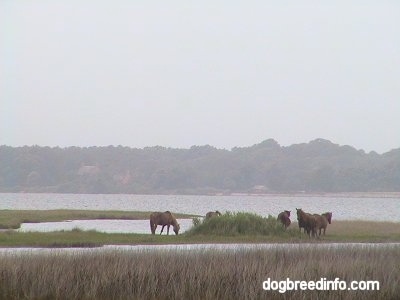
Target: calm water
<point>109,226</point>
<point>376,209</point>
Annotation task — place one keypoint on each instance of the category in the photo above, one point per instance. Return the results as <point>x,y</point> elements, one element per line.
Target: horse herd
<point>312,223</point>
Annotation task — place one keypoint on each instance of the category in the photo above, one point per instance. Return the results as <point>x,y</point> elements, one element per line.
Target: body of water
<point>108,226</point>
<point>343,208</point>
<point>374,209</point>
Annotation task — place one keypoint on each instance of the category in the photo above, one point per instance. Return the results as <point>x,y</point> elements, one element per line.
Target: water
<point>374,209</point>
<point>108,226</point>
<point>343,208</point>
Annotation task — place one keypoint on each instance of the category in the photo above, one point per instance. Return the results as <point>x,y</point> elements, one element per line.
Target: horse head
<point>176,228</point>
<point>328,216</point>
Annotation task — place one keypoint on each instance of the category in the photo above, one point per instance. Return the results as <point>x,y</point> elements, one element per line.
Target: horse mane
<point>173,220</point>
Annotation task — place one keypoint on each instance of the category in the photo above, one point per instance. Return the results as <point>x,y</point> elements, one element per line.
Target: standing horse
<point>284,218</point>
<point>307,221</point>
<point>163,219</point>
<point>322,221</point>
<point>211,214</point>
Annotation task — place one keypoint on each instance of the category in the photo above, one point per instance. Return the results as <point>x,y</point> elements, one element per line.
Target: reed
<point>236,224</point>
<point>207,274</point>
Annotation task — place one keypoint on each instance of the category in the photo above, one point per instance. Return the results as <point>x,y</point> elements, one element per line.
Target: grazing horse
<point>211,214</point>
<point>307,221</point>
<point>163,219</point>
<point>284,218</point>
<point>323,221</point>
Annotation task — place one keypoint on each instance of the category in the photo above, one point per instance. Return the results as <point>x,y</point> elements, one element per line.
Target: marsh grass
<point>268,228</point>
<point>229,228</point>
<point>357,231</point>
<point>76,237</point>
<point>236,224</point>
<point>208,274</point>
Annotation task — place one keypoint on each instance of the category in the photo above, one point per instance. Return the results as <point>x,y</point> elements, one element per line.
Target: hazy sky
<point>183,73</point>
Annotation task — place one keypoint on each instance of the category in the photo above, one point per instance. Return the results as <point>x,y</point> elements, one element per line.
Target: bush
<point>196,221</point>
<point>237,224</point>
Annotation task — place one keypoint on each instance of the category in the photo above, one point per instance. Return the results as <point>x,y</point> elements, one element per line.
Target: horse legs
<point>307,230</point>
<point>168,229</point>
<point>162,229</point>
<point>314,232</point>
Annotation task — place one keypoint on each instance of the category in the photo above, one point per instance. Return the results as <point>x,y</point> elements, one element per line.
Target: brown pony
<point>211,214</point>
<point>284,218</point>
<point>307,221</point>
<point>163,219</point>
<point>322,221</point>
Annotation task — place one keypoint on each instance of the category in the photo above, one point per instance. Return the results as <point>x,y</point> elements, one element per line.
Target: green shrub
<point>237,224</point>
<point>196,221</point>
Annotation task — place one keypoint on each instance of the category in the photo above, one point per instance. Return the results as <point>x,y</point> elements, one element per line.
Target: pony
<point>284,218</point>
<point>163,219</point>
<point>328,216</point>
<point>322,221</point>
<point>307,221</point>
<point>211,214</point>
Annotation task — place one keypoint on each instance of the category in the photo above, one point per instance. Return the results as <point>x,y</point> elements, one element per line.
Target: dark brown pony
<point>211,214</point>
<point>163,219</point>
<point>322,221</point>
<point>284,218</point>
<point>307,221</point>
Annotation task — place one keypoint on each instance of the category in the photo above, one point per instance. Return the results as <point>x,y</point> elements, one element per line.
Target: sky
<point>184,73</point>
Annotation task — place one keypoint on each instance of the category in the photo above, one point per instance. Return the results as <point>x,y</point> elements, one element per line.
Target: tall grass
<point>241,223</point>
<point>208,274</point>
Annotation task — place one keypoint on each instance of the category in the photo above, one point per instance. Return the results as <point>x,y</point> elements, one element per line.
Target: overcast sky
<point>183,73</point>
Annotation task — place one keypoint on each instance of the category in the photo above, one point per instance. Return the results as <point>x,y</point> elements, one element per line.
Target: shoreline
<point>236,194</point>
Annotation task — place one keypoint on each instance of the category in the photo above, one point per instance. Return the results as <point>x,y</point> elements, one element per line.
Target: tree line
<point>267,167</point>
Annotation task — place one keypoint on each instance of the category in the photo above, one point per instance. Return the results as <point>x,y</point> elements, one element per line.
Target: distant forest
<point>317,166</point>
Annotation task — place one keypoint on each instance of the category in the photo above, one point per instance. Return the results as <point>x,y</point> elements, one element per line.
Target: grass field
<point>207,274</point>
<point>229,228</point>
<point>196,274</point>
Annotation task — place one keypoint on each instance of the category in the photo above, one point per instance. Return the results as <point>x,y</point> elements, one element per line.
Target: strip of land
<point>12,219</point>
<point>338,231</point>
